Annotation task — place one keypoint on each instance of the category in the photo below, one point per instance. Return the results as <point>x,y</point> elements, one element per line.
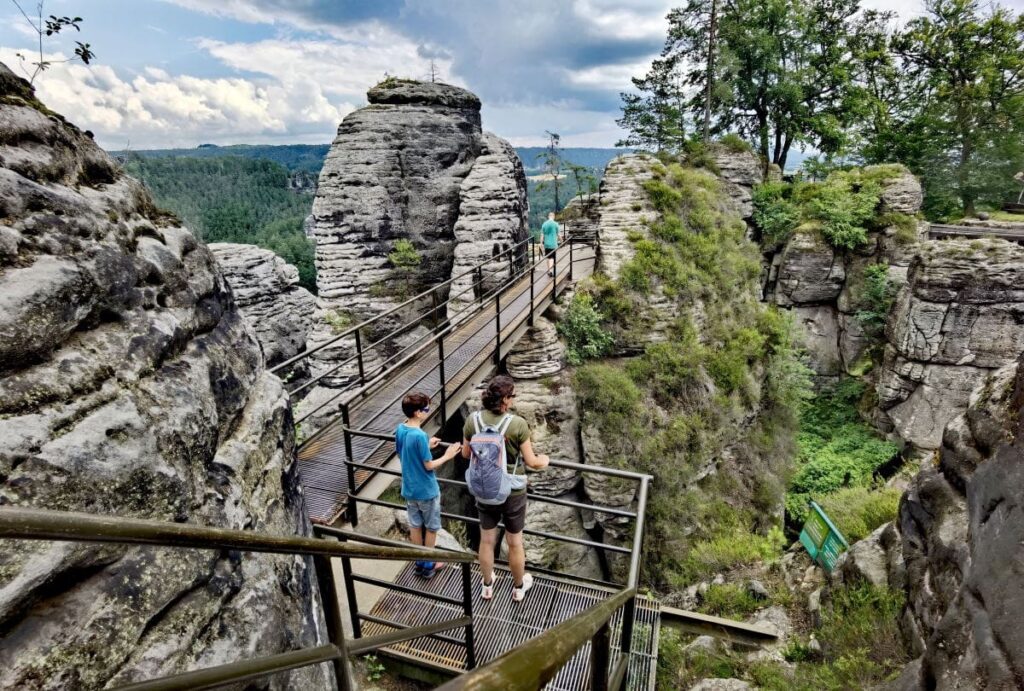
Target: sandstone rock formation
<point>740,172</point>
<point>963,543</point>
<point>130,386</point>
<point>960,316</point>
<point>623,204</point>
<point>414,165</point>
<point>492,219</point>
<point>823,286</point>
<point>267,292</point>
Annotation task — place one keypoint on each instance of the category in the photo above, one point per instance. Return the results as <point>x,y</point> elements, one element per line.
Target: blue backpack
<point>487,476</point>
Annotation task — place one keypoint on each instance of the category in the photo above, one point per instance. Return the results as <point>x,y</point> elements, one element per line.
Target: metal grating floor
<point>468,350</point>
<point>500,625</point>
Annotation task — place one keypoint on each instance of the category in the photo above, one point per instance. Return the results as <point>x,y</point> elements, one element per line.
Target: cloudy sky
<point>178,73</point>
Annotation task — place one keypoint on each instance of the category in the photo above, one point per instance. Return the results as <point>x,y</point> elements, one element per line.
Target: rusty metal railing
<point>37,524</point>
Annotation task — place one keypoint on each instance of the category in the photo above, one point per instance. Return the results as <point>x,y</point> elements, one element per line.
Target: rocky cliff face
<point>267,292</point>
<point>960,316</point>
<point>823,286</point>
<point>957,546</point>
<point>413,165</point>
<point>130,386</point>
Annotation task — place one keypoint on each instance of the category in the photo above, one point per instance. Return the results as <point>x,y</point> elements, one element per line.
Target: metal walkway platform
<point>501,625</point>
<point>468,357</point>
<point>939,230</point>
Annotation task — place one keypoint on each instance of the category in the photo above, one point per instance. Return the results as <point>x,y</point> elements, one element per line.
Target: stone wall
<point>267,292</point>
<point>130,386</point>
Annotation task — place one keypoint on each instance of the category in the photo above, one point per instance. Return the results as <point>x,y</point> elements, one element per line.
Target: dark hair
<point>496,391</point>
<point>413,402</point>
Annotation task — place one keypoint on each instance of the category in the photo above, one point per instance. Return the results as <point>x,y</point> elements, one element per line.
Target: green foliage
<point>857,511</point>
<point>653,114</point>
<point>581,328</point>
<point>735,143</point>
<point>950,103</point>
<point>877,296</point>
<point>232,199</point>
<point>728,550</point>
<point>374,668</point>
<point>837,449</point>
<point>404,259</point>
<point>729,600</point>
<point>775,214</point>
<point>338,321</point>
<point>844,204</point>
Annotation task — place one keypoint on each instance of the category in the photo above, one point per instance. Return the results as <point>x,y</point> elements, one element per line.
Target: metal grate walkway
<point>469,355</point>
<point>501,625</point>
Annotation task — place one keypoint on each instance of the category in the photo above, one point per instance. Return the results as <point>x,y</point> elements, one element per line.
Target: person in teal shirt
<point>549,231</point>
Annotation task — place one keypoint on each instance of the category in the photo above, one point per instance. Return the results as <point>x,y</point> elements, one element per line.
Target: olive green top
<point>518,432</point>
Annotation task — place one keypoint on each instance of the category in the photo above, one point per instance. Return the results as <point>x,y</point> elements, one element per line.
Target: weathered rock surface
<point>130,386</point>
<point>493,209</point>
<point>413,165</point>
<point>267,292</point>
<point>960,316</point>
<point>567,558</point>
<point>538,354</point>
<point>623,204</point>
<point>740,172</point>
<point>963,542</point>
<point>808,273</point>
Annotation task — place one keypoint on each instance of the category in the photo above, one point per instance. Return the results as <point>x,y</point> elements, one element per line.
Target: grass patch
<point>858,511</point>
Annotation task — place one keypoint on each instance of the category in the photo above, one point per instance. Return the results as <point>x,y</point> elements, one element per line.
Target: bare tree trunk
<point>710,78</point>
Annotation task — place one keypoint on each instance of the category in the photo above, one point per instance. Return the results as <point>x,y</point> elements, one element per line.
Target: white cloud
<point>640,20</point>
<point>610,77</point>
<point>282,90</point>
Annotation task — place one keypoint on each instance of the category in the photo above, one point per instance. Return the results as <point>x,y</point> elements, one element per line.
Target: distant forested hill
<point>307,157</point>
<point>240,193</point>
<point>233,199</point>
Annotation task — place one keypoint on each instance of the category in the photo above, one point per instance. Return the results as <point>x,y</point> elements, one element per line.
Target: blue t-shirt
<point>413,447</point>
<point>550,232</point>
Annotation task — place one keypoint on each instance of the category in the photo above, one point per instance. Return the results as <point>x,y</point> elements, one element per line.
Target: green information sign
<point>822,539</point>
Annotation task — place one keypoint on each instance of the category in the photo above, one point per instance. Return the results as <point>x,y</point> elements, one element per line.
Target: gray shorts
<point>424,513</point>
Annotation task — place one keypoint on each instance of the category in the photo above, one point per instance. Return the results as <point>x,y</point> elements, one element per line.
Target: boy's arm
<point>449,454</point>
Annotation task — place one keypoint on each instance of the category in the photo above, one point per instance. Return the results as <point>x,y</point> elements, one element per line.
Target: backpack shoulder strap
<point>477,422</point>
<point>504,423</point>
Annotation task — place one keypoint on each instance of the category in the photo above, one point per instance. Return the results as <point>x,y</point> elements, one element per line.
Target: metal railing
<point>36,524</point>
<point>517,267</point>
<point>532,665</point>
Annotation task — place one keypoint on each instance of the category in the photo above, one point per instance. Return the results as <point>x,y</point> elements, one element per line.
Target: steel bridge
<point>569,633</point>
<point>938,231</point>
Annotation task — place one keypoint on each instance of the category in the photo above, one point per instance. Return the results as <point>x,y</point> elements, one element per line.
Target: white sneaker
<point>519,593</point>
<point>487,591</point>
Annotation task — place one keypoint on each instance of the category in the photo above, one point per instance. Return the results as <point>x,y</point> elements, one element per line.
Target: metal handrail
<point>306,353</point>
<point>433,340</point>
<point>41,524</point>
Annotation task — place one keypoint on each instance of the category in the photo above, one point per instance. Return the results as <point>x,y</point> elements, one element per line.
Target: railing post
<point>571,262</point>
<point>554,275</point>
<point>359,357</point>
<point>353,512</point>
<point>600,654</point>
<point>444,394</point>
<point>626,643</point>
<point>433,310</point>
<point>533,269</point>
<point>511,262</point>
<point>467,607</point>
<point>497,323</point>
<point>350,593</point>
<point>480,284</point>
<point>335,630</point>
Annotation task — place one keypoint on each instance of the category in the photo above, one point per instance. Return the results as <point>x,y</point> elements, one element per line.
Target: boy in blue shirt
<point>419,483</point>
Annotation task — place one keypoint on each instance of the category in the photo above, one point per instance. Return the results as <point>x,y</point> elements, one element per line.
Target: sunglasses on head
<point>425,409</point>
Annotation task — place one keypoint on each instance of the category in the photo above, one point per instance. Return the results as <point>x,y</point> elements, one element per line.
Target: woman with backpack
<point>497,444</point>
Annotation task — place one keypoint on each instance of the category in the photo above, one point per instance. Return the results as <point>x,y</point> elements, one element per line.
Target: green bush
<point>857,511</point>
<point>844,208</point>
<point>735,143</point>
<point>581,328</point>
<point>836,449</point>
<point>775,214</point>
<point>876,298</point>
<point>729,550</point>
